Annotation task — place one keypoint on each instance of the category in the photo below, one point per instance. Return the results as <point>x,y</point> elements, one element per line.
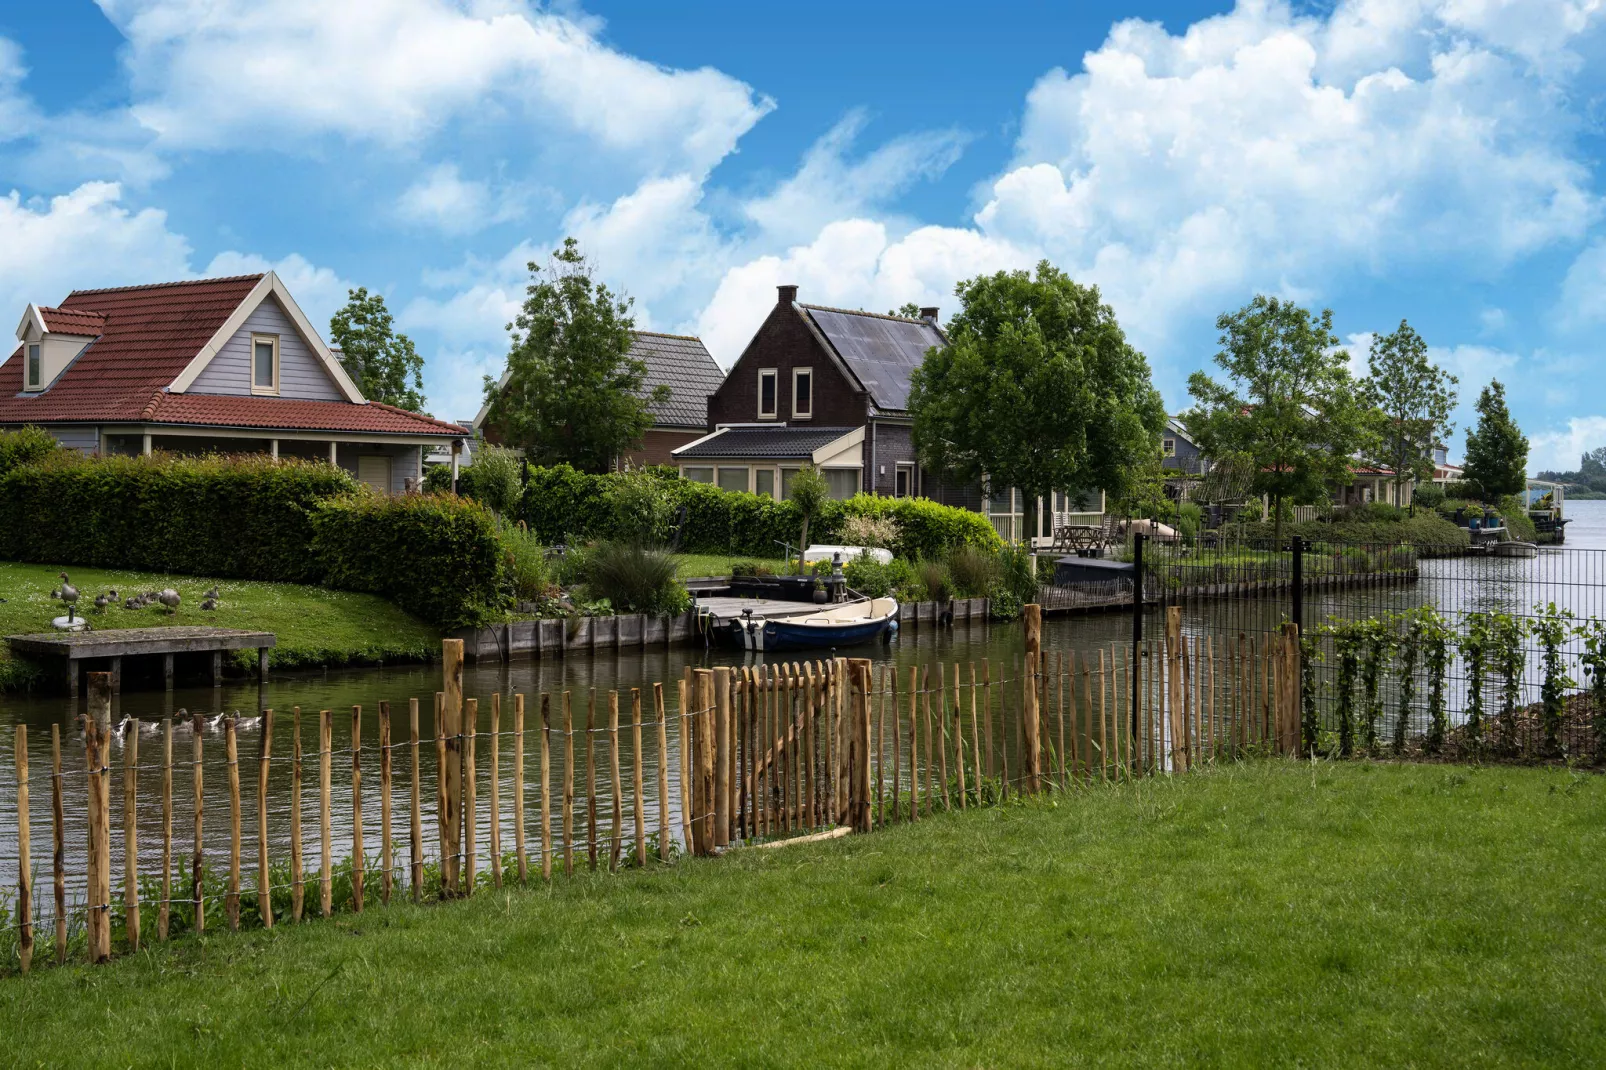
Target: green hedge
<point>1427,531</point>
<point>26,446</point>
<point>562,504</point>
<point>253,518</point>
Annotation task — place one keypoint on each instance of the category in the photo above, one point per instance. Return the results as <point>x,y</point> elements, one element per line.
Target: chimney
<point>786,295</point>
<point>929,315</point>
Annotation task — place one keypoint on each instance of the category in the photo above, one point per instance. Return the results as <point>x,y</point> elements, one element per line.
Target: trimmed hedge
<point>563,504</point>
<point>25,446</point>
<point>253,518</point>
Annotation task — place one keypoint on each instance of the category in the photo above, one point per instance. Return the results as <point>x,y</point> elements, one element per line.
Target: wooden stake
<point>440,787</point>
<point>415,830</point>
<point>663,770</point>
<point>471,816</point>
<point>942,725</point>
<point>704,795</point>
<point>1209,746</point>
<point>496,790</point>
<point>297,874</point>
<point>58,830</point>
<point>808,746</point>
<point>359,857</point>
<point>722,748</point>
<point>451,812</point>
<point>25,855</point>
<point>591,783</point>
<point>639,807</point>
<point>264,758</point>
<point>1059,712</point>
<point>1087,704</point>
<point>326,888</point>
<point>1031,714</point>
<point>880,745</point>
<point>617,844</point>
<point>197,859</point>
<point>520,848</point>
<point>685,760</point>
<point>546,785</point>
<point>568,786</point>
<point>130,830</point>
<point>387,854</point>
<point>98,906</point>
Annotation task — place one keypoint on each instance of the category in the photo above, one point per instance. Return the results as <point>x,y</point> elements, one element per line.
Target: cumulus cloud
<point>82,240</point>
<point>446,201</point>
<point>221,73</point>
<point>318,290</point>
<point>1559,449</point>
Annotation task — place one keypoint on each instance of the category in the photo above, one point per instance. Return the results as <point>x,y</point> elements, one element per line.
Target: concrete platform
<point>117,643</point>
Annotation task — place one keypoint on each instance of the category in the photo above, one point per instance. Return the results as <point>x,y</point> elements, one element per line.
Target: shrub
<point>1015,574</point>
<point>494,479</point>
<point>25,446</point>
<point>870,577</point>
<point>634,578</point>
<point>524,559</point>
<point>1515,514</point>
<point>435,555</point>
<point>641,508</point>
<point>972,570</point>
<point>863,529</point>
<point>933,576</point>
<point>1252,512</point>
<point>1427,495</point>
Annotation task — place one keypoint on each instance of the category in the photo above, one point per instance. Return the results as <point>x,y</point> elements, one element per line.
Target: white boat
<point>1514,548</point>
<point>842,625</point>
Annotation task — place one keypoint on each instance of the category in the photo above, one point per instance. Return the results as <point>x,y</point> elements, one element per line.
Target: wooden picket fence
<point>762,755</point>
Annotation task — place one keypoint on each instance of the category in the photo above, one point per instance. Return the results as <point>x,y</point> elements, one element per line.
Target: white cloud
<point>82,240</point>
<point>318,290</point>
<point>217,73</point>
<point>1560,448</point>
<point>17,113</point>
<point>445,200</point>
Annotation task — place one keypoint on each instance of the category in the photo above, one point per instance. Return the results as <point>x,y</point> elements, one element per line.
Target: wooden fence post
<point>415,831</point>
<point>1292,697</point>
<point>231,753</point>
<point>25,856</point>
<point>1032,761</point>
<point>706,753</point>
<point>298,891</point>
<point>863,818</point>
<point>638,809</point>
<point>198,857</point>
<point>496,790</point>
<point>98,892</point>
<point>520,849</point>
<point>591,782</point>
<point>451,816</point>
<point>685,761</point>
<point>546,786</point>
<point>568,786</point>
<point>722,749</point>
<point>470,732</point>
<point>264,756</point>
<point>387,857</point>
<point>326,889</point>
<point>663,771</point>
<point>1173,694</point>
<point>616,847</point>
<point>130,833</point>
<point>359,858</point>
<point>58,829</point>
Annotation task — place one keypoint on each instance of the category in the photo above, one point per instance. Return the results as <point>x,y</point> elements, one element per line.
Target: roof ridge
<point>417,415</point>
<point>72,311</point>
<point>158,285</point>
<point>666,334</point>
<point>863,312</point>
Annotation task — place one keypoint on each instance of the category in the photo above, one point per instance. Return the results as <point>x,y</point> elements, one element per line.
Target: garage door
<point>375,471</point>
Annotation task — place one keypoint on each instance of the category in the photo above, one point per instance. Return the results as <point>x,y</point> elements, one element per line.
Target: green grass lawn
<point>314,626</point>
<point>700,566</point>
<point>1271,914</point>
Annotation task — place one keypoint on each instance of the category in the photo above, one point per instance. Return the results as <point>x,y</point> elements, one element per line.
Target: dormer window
<point>36,370</point>
<point>802,393</point>
<point>767,379</point>
<point>264,364</point>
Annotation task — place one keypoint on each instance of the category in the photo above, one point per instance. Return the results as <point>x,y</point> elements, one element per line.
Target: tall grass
<point>972,570</point>
<point>525,557</point>
<point>634,578</point>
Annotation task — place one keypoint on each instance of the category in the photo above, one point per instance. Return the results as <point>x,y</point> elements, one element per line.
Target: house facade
<point>226,365</point>
<point>829,387</point>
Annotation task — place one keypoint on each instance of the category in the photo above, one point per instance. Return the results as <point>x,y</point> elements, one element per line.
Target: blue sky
<point>1435,160</point>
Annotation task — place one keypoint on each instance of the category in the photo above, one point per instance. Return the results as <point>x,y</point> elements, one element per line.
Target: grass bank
<point>1271,914</point>
<point>315,626</point>
<point>702,566</point>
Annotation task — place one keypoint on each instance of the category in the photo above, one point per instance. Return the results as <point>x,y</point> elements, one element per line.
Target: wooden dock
<point>115,644</point>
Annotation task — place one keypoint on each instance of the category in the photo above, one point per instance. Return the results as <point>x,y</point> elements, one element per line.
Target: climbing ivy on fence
<point>1551,627</point>
<point>1475,640</point>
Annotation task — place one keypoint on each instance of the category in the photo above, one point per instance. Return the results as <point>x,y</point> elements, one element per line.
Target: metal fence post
<point>1137,629</point>
<point>1297,546</point>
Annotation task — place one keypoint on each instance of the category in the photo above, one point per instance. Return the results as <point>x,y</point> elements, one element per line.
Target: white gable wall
<point>301,374</point>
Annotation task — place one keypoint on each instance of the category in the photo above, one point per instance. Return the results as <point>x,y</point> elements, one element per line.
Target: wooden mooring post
<point>450,772</point>
<point>1032,760</point>
<point>24,855</point>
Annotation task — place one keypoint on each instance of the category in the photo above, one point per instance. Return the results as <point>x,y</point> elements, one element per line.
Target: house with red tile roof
<point>226,365</point>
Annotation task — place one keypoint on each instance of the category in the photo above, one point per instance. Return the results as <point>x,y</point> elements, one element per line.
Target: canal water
<point>1575,577</point>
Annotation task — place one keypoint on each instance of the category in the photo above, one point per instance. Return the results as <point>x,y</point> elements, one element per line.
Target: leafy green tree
<point>382,363</point>
<point>1037,389</point>
<point>1413,398</point>
<point>1497,450</point>
<point>573,394</point>
<point>809,493</point>
<point>908,310</point>
<point>1288,406</point>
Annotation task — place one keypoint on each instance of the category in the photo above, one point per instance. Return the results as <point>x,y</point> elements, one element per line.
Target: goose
<point>246,723</point>
<point>209,605</point>
<point>112,594</point>
<point>215,724</point>
<point>102,601</point>
<point>170,599</point>
<point>124,726</point>
<point>69,593</point>
<point>213,593</point>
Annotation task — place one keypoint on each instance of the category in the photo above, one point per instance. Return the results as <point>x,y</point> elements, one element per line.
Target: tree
<point>1289,406</point>
<point>1497,450</point>
<point>382,363</point>
<point>1413,398</point>
<point>573,392</point>
<point>809,493</point>
<point>1037,389</point>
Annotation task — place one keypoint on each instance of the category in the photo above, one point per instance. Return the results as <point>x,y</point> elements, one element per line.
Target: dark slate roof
<point>683,365</point>
<point>780,443</point>
<point>880,350</point>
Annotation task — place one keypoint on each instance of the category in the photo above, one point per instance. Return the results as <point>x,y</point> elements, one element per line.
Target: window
<point>787,475</point>
<point>843,483</point>
<point>904,487</point>
<point>764,482</point>
<point>264,364</point>
<point>698,475</point>
<point>1168,447</point>
<point>766,393</point>
<point>732,478</point>
<point>35,366</point>
<point>802,393</point>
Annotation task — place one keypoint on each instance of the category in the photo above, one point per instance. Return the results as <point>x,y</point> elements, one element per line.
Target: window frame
<point>747,477</point>
<point>1168,447</point>
<point>774,376</point>
<point>907,473</point>
<point>775,481</point>
<point>799,373</point>
<point>33,365</point>
<point>686,471</point>
<point>273,340</point>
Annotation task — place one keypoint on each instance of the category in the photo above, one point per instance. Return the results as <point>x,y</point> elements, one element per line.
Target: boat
<point>1514,548</point>
<point>841,625</point>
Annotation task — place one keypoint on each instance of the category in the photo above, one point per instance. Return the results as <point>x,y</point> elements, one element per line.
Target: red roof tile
<point>73,321</point>
<point>219,410</point>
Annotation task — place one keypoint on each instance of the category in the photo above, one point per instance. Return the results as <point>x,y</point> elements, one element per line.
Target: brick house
<point>226,365</point>
<point>830,387</point>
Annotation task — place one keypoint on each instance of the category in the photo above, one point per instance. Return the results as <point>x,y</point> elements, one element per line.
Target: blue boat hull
<point>778,635</point>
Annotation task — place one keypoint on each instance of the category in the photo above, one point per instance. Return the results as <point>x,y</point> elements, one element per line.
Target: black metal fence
<point>1409,650</point>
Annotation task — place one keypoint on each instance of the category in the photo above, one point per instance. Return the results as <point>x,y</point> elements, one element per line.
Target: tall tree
<point>1413,398</point>
<point>1288,405</point>
<point>1497,450</point>
<point>382,363</point>
<point>573,393</point>
<point>1037,389</point>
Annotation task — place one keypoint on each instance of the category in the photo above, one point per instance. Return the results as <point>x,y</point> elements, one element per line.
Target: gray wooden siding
<point>301,374</point>
<point>85,438</point>
<point>404,462</point>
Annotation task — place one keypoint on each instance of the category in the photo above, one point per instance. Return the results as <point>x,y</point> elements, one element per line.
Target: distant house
<point>830,387</point>
<point>214,365</point>
<point>681,363</point>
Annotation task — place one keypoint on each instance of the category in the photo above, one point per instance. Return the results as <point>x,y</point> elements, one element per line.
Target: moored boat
<point>842,625</point>
<point>1514,548</point>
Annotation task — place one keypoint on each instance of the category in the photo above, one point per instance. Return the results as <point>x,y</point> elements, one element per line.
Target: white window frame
<point>775,481</point>
<point>1168,447</point>
<point>747,476</point>
<point>774,376</point>
<point>33,361</point>
<point>686,471</point>
<point>909,485</point>
<point>273,340</point>
<point>808,413</point>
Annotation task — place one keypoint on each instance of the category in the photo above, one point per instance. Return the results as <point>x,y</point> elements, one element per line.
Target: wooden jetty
<point>115,644</point>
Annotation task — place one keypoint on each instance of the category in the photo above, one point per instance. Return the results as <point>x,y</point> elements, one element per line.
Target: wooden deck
<point>114,644</point>
<point>726,607</point>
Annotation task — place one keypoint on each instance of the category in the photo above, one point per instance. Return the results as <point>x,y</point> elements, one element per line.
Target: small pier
<point>115,644</point>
